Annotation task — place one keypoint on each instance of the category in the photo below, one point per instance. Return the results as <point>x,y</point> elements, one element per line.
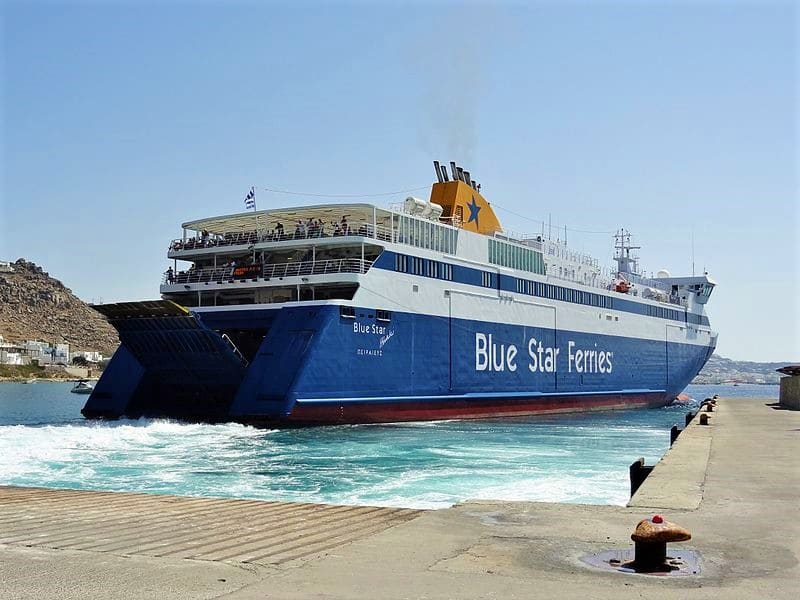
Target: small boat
<point>32,380</point>
<point>82,387</point>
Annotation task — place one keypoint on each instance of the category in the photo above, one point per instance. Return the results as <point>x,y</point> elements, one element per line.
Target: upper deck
<point>330,243</point>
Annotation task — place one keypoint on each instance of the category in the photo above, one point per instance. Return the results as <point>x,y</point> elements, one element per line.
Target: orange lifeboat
<point>622,286</point>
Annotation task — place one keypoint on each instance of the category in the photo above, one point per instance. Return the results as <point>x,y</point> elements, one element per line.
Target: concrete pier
<point>733,483</point>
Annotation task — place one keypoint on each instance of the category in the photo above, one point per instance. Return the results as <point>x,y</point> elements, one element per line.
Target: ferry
<point>425,310</point>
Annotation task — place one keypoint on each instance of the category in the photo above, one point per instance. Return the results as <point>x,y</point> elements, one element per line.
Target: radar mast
<point>627,261</point>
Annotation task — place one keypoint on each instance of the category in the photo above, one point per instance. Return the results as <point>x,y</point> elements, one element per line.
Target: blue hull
<point>319,365</point>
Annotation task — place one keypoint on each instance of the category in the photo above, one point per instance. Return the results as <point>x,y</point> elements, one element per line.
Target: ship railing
<point>606,280</point>
<point>333,229</point>
<point>266,271</point>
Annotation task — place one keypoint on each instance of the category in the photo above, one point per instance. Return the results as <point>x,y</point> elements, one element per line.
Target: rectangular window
<point>347,312</point>
<point>486,279</point>
<point>383,315</point>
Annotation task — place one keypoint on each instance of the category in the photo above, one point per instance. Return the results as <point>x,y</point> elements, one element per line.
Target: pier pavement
<point>734,484</point>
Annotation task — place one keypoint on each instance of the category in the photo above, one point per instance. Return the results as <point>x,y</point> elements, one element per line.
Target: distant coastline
<point>23,373</point>
<point>725,371</point>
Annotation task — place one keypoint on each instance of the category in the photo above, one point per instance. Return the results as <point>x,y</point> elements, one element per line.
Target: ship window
<point>520,286</point>
<point>486,279</point>
<point>347,312</point>
<point>383,315</point>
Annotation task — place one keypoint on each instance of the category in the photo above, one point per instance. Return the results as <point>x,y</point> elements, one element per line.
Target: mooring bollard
<point>689,416</point>
<point>709,407</point>
<point>651,537</point>
<point>704,419</point>
<point>638,472</point>
<point>673,434</point>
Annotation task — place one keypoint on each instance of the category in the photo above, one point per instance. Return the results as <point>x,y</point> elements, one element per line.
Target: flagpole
<point>255,211</point>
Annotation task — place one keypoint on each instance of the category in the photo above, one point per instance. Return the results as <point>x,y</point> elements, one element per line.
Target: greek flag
<point>250,199</point>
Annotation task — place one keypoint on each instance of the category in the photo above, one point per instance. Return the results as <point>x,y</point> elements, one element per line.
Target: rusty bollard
<point>704,419</point>
<point>710,407</point>
<point>651,537</point>
<point>689,417</point>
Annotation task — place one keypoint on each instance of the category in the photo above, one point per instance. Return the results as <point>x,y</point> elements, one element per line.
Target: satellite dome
<point>662,274</point>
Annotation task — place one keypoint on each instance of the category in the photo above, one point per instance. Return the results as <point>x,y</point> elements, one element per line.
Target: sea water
<point>579,458</point>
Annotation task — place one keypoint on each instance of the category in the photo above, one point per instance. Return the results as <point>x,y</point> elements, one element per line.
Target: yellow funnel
<point>465,207</point>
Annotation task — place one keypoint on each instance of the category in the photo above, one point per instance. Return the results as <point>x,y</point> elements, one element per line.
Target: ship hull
<point>319,364</point>
<point>451,408</point>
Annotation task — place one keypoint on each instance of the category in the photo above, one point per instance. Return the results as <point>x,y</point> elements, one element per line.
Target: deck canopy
<point>288,217</point>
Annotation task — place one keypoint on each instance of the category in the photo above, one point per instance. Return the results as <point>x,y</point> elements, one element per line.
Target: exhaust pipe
<point>438,171</point>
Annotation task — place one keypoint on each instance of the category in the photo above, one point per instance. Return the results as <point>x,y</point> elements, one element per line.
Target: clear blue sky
<point>122,120</point>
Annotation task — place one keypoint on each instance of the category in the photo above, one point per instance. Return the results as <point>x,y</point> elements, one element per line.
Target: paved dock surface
<point>734,484</point>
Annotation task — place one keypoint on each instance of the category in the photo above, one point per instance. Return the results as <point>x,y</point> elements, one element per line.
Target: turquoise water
<point>581,458</point>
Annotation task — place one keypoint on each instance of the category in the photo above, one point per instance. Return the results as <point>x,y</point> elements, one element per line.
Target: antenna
<point>626,262</point>
<point>692,251</point>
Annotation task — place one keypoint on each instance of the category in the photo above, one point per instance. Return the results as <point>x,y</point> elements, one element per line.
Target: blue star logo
<point>474,209</point>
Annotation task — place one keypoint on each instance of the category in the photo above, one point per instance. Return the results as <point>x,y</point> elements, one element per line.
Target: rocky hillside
<point>34,306</point>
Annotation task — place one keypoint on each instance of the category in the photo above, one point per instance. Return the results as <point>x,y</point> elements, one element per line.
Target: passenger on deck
<point>170,275</point>
<point>279,230</point>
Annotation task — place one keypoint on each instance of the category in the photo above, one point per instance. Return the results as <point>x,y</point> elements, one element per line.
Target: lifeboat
<point>622,286</point>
